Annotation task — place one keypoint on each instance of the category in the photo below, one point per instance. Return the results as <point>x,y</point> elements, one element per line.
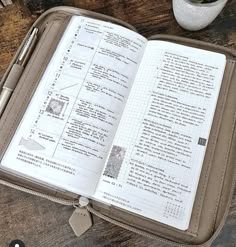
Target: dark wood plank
<point>41,223</point>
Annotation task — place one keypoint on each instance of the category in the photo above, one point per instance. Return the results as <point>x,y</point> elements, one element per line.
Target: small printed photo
<point>55,107</point>
<point>114,163</point>
<point>202,141</point>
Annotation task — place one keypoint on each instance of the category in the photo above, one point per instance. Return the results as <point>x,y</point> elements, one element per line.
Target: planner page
<point>70,123</point>
<point>156,158</point>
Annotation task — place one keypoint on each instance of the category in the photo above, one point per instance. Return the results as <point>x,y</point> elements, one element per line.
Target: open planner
<point>122,120</point>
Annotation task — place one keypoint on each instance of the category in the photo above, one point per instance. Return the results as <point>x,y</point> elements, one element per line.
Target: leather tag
<point>80,221</point>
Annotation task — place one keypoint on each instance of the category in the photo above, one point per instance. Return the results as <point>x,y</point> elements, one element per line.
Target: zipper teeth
<point>152,236</point>
<point>40,194</point>
<point>120,224</point>
<point>132,229</point>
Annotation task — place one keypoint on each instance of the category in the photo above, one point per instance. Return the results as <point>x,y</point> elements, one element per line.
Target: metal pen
<point>17,69</point>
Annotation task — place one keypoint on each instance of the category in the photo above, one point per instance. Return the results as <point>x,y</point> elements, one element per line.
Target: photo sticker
<point>114,163</point>
<point>55,107</point>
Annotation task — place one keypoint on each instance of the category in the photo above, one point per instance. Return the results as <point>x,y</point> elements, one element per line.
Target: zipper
<point>160,239</point>
<point>133,229</point>
<point>40,194</point>
<point>81,220</point>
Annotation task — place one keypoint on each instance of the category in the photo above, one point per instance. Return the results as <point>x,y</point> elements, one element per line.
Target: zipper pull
<point>80,221</point>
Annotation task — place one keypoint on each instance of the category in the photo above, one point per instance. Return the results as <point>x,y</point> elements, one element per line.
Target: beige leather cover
<point>218,174</point>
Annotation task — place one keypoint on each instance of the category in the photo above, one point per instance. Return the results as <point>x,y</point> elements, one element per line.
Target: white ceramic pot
<point>195,16</point>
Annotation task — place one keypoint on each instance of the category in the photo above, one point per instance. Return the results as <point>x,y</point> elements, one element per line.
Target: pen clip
<point>27,48</point>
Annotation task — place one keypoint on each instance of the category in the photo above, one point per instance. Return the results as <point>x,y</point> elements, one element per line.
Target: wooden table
<point>41,223</point>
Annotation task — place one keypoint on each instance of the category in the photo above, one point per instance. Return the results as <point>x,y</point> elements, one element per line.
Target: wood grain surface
<point>41,223</point>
